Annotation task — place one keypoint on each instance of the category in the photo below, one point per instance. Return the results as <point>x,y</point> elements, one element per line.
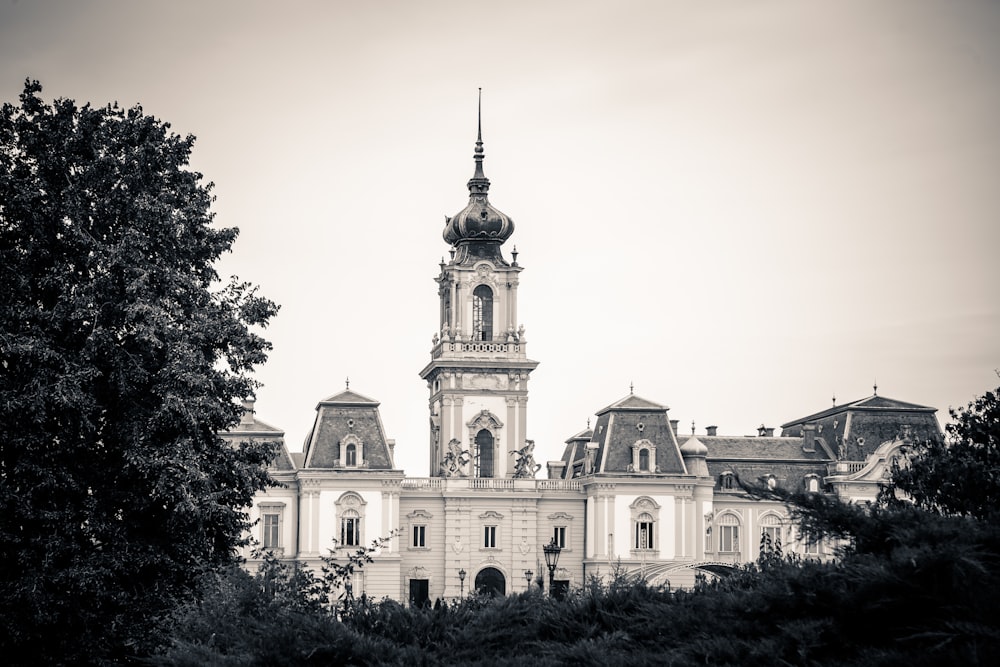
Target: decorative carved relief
<point>483,381</point>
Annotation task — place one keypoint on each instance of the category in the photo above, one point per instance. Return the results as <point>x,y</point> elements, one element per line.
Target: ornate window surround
<point>637,447</point>
<point>645,510</point>
<point>272,507</point>
<point>565,522</point>
<point>352,439</point>
<point>487,421</point>
<point>419,518</point>
<point>350,505</point>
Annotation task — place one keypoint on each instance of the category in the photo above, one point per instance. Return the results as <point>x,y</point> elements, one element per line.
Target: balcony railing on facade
<point>489,484</point>
<point>501,345</point>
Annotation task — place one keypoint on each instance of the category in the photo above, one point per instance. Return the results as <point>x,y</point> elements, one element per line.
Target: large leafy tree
<point>961,474</point>
<point>121,358</point>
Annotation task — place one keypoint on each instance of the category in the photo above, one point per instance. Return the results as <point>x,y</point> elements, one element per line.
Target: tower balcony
<point>498,348</point>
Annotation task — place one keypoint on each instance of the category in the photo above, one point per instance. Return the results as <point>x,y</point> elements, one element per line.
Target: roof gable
<point>633,402</point>
<point>874,402</point>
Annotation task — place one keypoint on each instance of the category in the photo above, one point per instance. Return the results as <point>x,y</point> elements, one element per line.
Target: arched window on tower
<point>482,313</point>
<point>351,456</point>
<point>484,449</point>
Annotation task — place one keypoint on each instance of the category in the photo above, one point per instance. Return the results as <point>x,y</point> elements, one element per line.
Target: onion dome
<point>694,447</point>
<point>478,221</point>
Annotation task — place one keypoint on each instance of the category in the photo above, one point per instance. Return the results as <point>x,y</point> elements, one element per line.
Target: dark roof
<point>256,427</point>
<point>874,402</point>
<point>348,397</point>
<point>752,447</point>
<point>341,415</point>
<point>633,402</point>
<point>585,435</point>
<point>625,422</point>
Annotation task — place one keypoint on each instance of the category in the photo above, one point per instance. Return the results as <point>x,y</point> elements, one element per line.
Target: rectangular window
<point>729,539</point>
<point>419,535</point>
<point>490,537</point>
<point>811,547</point>
<point>559,536</point>
<point>272,532</point>
<point>350,531</point>
<point>644,535</point>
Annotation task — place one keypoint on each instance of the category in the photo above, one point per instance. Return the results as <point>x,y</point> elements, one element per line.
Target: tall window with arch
<point>644,531</point>
<point>350,528</point>
<point>484,449</point>
<point>351,455</point>
<point>482,313</point>
<point>728,526</point>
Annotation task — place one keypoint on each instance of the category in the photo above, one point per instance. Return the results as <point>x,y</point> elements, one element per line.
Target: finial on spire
<point>834,399</point>
<point>631,388</point>
<point>875,387</point>
<point>347,383</point>
<point>692,427</point>
<point>479,183</point>
<point>588,423</point>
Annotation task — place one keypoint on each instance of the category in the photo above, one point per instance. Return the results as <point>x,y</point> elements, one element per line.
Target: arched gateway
<point>491,581</point>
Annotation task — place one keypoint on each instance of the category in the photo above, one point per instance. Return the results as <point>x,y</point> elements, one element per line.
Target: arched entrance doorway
<point>491,581</point>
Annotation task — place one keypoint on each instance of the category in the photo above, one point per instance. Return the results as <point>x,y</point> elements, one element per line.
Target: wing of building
<point>632,492</point>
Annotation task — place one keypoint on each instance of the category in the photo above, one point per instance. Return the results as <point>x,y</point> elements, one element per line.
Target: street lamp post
<point>461,583</point>
<point>527,577</point>
<point>551,560</point>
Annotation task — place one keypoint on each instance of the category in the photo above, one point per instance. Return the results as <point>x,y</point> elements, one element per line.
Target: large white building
<point>631,492</point>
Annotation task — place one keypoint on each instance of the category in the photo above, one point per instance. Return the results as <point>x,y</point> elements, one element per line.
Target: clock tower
<point>478,373</point>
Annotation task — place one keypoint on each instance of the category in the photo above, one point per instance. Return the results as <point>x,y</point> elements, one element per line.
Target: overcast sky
<point>743,208</point>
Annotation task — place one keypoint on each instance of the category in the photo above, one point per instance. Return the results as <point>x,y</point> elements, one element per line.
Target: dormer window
<point>643,456</point>
<point>482,313</point>
<point>726,481</point>
<point>352,452</point>
<point>812,484</point>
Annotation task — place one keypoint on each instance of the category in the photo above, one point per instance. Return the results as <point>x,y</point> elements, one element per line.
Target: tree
<point>960,475</point>
<point>121,358</point>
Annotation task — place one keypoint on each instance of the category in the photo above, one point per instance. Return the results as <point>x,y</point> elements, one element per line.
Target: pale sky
<point>743,208</point>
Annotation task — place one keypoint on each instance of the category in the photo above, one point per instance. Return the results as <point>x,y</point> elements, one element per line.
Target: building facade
<point>632,492</point>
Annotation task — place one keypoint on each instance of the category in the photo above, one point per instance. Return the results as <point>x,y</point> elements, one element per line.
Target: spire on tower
<point>479,184</point>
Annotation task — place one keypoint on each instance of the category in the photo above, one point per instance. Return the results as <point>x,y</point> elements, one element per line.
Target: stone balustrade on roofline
<point>457,348</point>
<point>845,467</point>
<point>489,484</point>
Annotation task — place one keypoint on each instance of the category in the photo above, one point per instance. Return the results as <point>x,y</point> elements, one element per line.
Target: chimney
<point>768,431</point>
<point>557,469</point>
<point>711,430</point>
<point>392,451</point>
<point>246,418</point>
<point>673,425</point>
<point>809,438</point>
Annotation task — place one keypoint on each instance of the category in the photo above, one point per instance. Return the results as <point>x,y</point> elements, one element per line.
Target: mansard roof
<point>873,403</point>
<point>348,397</point>
<point>633,402</point>
<point>621,425</point>
<point>339,416</point>
<point>250,427</point>
<point>749,448</point>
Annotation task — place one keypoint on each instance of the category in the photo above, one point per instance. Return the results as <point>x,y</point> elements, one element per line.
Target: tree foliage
<point>121,358</point>
<point>960,475</point>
